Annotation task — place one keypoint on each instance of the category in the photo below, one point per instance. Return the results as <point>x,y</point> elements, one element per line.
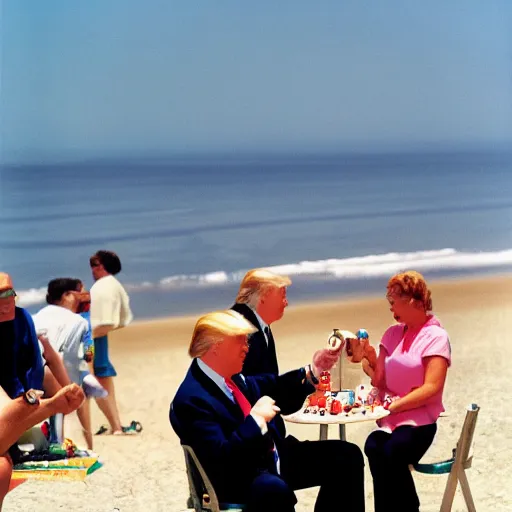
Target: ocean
<point>187,228</point>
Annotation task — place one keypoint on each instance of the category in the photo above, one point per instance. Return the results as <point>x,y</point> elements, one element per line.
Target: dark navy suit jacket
<point>262,356</point>
<point>21,363</point>
<point>232,449</point>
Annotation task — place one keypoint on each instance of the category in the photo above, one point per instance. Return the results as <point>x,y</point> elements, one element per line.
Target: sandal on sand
<point>102,430</point>
<point>134,428</point>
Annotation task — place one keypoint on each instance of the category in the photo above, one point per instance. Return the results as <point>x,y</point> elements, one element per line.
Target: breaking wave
<point>375,265</point>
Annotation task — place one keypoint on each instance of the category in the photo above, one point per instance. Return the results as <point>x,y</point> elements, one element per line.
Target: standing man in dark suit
<point>229,421</point>
<point>261,300</point>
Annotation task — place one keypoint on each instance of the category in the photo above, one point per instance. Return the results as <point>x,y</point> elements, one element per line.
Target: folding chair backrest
<point>201,490</point>
<point>466,435</point>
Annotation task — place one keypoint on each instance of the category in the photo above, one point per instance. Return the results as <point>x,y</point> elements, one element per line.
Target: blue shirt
<point>21,362</point>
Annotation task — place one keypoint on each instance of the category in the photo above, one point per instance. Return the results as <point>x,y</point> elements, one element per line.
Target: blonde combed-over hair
<point>211,329</point>
<point>256,282</point>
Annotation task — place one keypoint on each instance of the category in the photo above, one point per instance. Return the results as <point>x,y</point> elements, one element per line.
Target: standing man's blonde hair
<point>256,282</point>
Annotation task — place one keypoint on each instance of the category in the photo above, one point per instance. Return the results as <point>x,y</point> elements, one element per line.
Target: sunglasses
<point>7,293</point>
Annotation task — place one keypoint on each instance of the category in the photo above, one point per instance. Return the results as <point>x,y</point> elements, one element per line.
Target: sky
<point>125,77</point>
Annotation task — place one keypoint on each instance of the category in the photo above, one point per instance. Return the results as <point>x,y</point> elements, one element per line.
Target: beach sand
<point>146,473</point>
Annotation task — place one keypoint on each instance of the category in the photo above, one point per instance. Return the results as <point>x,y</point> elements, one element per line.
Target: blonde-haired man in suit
<point>229,421</point>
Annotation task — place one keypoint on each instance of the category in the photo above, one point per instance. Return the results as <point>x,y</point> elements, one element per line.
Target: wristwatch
<point>31,397</point>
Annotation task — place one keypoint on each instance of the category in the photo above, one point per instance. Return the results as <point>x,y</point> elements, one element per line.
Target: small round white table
<point>341,420</point>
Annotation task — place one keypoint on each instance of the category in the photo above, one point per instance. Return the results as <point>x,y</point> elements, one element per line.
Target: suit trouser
<point>336,466</point>
<point>389,456</point>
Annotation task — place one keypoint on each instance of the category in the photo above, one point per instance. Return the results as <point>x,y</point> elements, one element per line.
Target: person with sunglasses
<point>109,311</point>
<point>410,373</point>
<point>21,364</point>
<point>27,360</point>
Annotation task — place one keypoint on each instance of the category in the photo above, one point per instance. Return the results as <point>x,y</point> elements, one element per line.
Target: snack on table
<point>325,382</point>
<point>346,401</point>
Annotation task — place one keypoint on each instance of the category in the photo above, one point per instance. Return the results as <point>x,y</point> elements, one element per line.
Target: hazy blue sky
<point>118,77</point>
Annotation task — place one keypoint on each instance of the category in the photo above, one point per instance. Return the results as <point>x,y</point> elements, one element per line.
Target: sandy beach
<point>146,473</point>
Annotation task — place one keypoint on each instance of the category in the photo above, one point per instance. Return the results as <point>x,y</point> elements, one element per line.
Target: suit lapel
<point>268,349</point>
<point>214,390</point>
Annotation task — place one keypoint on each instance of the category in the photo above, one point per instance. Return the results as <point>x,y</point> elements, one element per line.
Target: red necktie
<point>239,397</point>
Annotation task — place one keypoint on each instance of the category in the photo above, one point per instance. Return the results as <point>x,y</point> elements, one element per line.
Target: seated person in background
<point>21,363</point>
<point>67,332</point>
<point>17,416</point>
<point>228,420</point>
<point>411,369</point>
<point>261,300</point>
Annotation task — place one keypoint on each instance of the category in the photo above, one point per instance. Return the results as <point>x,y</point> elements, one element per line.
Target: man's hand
<point>68,399</point>
<point>324,359</point>
<point>265,408</point>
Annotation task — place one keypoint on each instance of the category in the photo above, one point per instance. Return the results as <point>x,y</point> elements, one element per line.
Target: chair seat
<point>435,468</point>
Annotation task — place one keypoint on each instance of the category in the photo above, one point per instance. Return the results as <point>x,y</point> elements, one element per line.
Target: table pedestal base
<point>324,432</point>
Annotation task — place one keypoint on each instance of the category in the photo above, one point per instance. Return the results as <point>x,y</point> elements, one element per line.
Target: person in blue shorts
<point>109,311</point>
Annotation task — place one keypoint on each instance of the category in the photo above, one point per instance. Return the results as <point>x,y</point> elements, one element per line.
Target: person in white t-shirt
<point>66,331</point>
<point>110,310</point>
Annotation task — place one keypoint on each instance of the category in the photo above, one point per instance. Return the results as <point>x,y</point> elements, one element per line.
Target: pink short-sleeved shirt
<point>405,370</point>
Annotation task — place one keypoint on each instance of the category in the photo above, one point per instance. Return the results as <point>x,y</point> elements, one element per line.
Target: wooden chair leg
<point>449,492</point>
<point>466,491</point>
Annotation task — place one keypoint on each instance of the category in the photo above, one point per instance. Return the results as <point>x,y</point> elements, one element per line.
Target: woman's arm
<point>102,330</point>
<point>436,368</point>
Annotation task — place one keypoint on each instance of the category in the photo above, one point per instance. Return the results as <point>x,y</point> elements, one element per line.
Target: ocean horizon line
<point>242,154</point>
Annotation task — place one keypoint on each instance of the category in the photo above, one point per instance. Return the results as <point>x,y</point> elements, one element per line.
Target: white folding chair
<point>456,466</point>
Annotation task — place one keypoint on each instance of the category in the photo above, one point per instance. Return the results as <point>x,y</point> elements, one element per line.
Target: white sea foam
<point>375,265</point>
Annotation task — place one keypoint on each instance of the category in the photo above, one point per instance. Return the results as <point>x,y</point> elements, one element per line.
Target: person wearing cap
<point>109,311</point>
<point>229,421</point>
<point>261,300</point>
<point>21,362</point>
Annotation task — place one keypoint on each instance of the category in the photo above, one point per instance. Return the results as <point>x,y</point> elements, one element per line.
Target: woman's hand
<point>370,354</point>
<point>368,368</point>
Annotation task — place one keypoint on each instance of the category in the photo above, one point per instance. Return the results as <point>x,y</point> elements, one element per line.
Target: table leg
<point>323,432</point>
<point>343,435</point>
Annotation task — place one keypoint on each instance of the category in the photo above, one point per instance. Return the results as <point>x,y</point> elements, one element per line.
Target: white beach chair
<point>455,467</point>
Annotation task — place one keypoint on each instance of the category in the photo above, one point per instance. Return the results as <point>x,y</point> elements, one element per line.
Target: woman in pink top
<point>413,361</point>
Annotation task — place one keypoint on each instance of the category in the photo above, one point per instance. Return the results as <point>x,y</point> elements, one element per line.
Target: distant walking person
<point>110,310</point>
